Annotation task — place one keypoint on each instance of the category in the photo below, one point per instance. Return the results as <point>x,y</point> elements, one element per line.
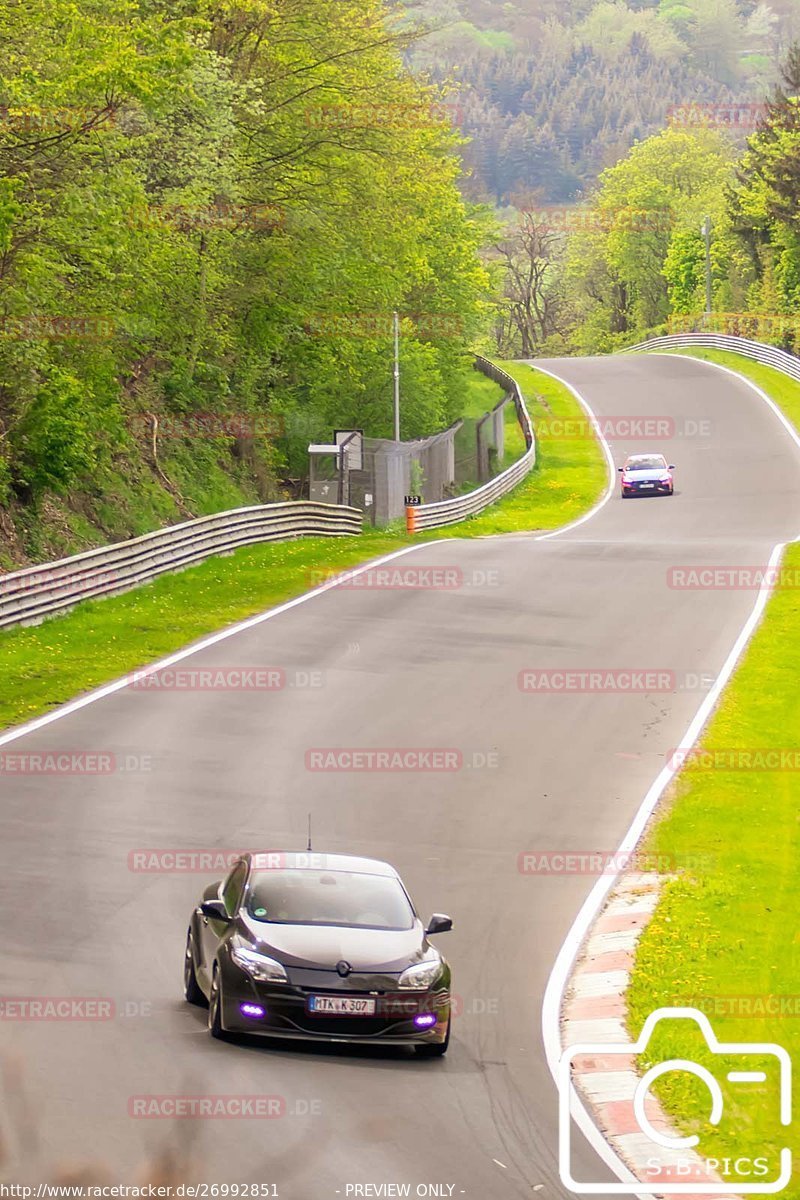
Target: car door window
<point>232,888</point>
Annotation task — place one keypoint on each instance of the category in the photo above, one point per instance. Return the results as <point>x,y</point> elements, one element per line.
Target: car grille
<point>346,1026</point>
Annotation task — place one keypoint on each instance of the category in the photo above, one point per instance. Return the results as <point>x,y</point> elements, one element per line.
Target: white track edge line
<point>611,465</point>
<point>594,901</point>
<point>119,685</point>
<point>784,420</point>
<point>592,906</point>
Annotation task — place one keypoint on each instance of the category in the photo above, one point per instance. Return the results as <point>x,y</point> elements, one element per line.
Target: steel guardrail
<point>448,512</point>
<point>770,356</point>
<point>30,595</point>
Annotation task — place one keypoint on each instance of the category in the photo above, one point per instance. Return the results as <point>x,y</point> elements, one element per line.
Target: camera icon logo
<point>665,1162</point>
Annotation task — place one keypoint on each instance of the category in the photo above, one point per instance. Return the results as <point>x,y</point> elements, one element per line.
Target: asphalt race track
<point>423,668</point>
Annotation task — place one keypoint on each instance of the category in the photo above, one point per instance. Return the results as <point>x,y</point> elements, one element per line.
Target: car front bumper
<point>286,1015</point>
<point>638,489</point>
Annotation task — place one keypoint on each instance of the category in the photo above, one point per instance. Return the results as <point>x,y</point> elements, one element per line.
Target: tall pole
<point>706,232</point>
<point>397,377</point>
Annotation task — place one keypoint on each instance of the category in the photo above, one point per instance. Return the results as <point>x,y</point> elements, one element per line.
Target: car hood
<point>645,476</point>
<point>323,946</point>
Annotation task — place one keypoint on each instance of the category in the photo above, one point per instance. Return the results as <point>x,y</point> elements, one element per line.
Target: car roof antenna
<point>308,847</point>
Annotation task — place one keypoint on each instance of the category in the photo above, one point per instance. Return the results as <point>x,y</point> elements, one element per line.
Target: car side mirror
<point>215,910</point>
<point>621,470</point>
<point>672,466</point>
<point>439,923</point>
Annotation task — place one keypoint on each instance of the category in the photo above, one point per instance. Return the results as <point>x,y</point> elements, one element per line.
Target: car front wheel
<point>191,988</point>
<point>215,1008</point>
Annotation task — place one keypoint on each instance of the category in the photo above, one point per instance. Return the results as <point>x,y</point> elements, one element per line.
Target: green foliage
<point>612,24</point>
<point>639,257</point>
<point>5,476</point>
<point>684,270</point>
<point>584,80</point>
<point>55,439</point>
<point>185,188</point>
<point>637,263</point>
<point>102,640</point>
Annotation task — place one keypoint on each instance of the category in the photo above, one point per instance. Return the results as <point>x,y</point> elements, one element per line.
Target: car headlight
<point>665,479</point>
<point>421,975</point>
<point>258,966</point>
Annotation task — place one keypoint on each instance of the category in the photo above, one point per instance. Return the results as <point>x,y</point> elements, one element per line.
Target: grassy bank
<point>101,640</point>
<point>723,938</point>
<point>202,467</point>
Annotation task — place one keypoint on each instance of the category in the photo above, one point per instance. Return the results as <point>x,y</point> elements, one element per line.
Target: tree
<point>763,203</point>
<point>717,38</point>
<point>203,206</point>
<point>533,309</point>
<point>666,185</point>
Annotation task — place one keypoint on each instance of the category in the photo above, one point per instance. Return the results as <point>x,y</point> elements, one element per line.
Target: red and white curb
<point>595,1011</point>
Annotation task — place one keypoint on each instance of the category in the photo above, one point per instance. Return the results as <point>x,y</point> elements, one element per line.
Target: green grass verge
<point>479,394</point>
<point>724,936</point>
<point>570,474</point>
<point>101,640</point>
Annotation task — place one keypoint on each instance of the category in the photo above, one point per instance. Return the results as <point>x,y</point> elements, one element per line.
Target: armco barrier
<point>448,512</point>
<point>770,356</point>
<point>30,595</point>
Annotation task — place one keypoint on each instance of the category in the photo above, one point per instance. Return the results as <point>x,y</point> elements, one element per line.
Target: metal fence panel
<point>448,512</point>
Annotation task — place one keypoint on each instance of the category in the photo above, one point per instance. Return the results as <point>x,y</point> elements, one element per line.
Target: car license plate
<point>342,1006</point>
<point>646,485</point>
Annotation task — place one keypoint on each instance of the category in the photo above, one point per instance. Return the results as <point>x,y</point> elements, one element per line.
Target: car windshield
<point>348,898</point>
<point>653,463</point>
